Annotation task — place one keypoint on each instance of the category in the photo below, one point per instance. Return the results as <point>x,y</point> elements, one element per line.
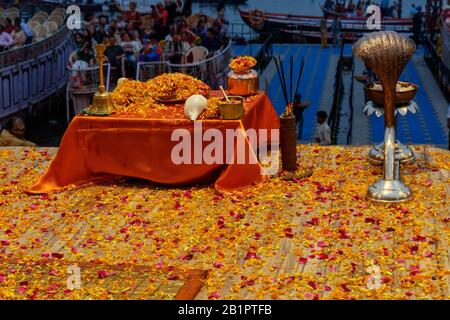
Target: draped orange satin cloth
<point>96,148</point>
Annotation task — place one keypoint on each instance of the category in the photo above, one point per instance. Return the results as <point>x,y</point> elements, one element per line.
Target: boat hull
<point>309,26</point>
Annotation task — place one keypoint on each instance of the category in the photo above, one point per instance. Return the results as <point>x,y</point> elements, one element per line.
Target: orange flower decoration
<point>242,64</point>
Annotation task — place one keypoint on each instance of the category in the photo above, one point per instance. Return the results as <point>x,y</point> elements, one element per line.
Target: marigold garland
<point>311,238</point>
<point>242,64</point>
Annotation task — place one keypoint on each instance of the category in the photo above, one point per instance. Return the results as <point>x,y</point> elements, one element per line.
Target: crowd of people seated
<point>359,8</point>
<point>15,32</point>
<point>168,32</point>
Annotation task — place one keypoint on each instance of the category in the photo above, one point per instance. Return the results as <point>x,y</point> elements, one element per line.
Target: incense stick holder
<point>288,142</point>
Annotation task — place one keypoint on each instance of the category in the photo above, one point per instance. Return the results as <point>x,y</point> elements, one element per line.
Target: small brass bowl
<point>403,96</point>
<point>233,110</point>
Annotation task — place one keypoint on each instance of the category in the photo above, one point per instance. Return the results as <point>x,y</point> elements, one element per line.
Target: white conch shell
<point>194,106</point>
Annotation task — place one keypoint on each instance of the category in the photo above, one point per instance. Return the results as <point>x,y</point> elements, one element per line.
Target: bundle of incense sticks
<point>289,98</point>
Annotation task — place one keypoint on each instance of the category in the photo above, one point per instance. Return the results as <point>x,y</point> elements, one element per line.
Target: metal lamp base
<point>403,154</point>
<point>389,191</point>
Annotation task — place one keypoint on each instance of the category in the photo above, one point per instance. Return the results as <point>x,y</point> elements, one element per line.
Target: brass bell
<point>101,104</point>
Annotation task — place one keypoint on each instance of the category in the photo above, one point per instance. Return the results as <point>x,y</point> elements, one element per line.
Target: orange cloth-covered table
<point>95,148</point>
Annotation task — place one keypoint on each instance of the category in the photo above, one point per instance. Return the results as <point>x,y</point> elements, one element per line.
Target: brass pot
<point>243,84</point>
<point>375,93</point>
<point>233,110</point>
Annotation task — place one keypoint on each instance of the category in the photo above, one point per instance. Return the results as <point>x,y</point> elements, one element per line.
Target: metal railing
<point>333,120</point>
<point>445,33</point>
<point>212,71</point>
<point>82,84</point>
<point>439,70</point>
<point>242,31</point>
<point>265,54</point>
<point>350,104</point>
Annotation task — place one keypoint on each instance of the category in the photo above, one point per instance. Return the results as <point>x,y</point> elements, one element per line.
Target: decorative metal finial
<point>101,104</point>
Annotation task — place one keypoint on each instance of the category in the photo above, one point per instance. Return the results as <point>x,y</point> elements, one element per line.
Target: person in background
<point>152,51</point>
<point>298,113</point>
<point>99,33</point>
<point>114,53</point>
<point>211,41</point>
<point>399,9</point>
<point>322,134</point>
<point>359,8</point>
<point>132,15</point>
<point>18,36</point>
<point>171,8</point>
<point>131,49</point>
<point>14,134</point>
<point>336,29</point>
<point>350,8</point>
<point>323,33</point>
<point>77,71</point>
<point>187,8</point>
<point>417,27</point>
<point>162,17</point>
<point>178,47</point>
<point>220,6</point>
<point>6,41</point>
<point>86,54</point>
<point>172,32</point>
<point>87,37</point>
<point>201,29</point>
<point>448,125</point>
<point>184,28</point>
<point>89,23</point>
<point>78,40</point>
<point>413,10</point>
<point>9,25</point>
<point>121,23</point>
<point>26,29</point>
<point>148,31</point>
<point>221,28</point>
<point>384,8</point>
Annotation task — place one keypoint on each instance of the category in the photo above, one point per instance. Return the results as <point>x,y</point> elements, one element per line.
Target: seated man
<point>13,134</point>
<point>6,41</point>
<point>151,52</point>
<point>114,53</point>
<point>211,41</point>
<point>322,135</point>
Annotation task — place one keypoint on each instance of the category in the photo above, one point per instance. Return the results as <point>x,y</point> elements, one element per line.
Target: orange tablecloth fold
<point>95,148</point>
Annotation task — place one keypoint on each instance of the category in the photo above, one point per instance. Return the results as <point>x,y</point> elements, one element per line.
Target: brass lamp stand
<point>387,53</point>
<point>101,104</point>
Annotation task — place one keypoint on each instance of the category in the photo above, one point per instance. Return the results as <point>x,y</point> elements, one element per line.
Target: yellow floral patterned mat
<point>313,238</point>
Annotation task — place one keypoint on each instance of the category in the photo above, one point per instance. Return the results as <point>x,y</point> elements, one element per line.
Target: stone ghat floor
<point>313,238</point>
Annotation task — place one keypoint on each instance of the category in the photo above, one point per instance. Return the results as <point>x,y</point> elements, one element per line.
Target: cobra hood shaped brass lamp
<point>387,53</point>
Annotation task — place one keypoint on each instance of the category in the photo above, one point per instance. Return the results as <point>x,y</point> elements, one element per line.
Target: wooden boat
<point>309,26</point>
